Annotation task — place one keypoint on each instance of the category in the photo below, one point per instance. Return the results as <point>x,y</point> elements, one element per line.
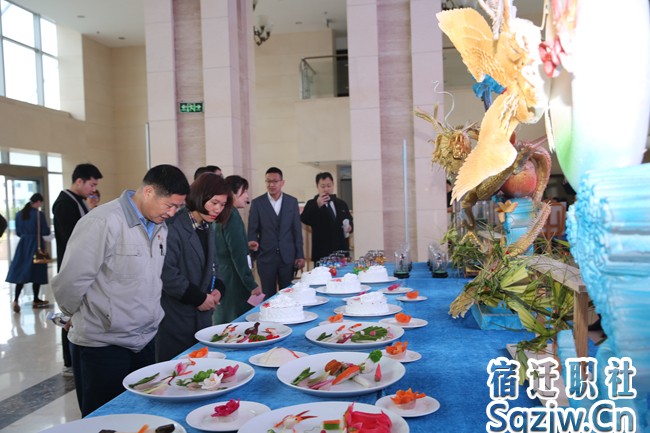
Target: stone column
<point>395,56</point>
<point>200,51</point>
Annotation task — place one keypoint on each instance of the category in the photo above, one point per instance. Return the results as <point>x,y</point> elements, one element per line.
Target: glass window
<point>20,72</point>
<point>31,159</point>
<point>54,163</point>
<point>31,70</point>
<point>49,43</point>
<point>51,94</point>
<point>17,23</point>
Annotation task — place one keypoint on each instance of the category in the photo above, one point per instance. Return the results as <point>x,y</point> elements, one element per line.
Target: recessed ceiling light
<point>81,16</point>
<point>298,22</point>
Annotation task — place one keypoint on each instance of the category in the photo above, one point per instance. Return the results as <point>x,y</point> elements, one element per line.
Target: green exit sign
<point>191,107</point>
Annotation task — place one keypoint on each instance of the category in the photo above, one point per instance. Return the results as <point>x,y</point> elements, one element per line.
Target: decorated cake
<point>301,293</point>
<point>374,274</point>
<point>316,277</point>
<point>349,283</point>
<point>367,305</point>
<point>281,309</point>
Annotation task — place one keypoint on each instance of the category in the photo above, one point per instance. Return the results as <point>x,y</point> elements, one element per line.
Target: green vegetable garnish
<point>371,333</point>
<point>323,336</point>
<point>302,376</point>
<point>145,380</point>
<point>375,356</point>
<point>218,337</point>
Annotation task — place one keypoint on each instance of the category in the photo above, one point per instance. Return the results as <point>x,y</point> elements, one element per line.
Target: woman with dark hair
<point>232,255</point>
<point>23,269</point>
<point>191,288</point>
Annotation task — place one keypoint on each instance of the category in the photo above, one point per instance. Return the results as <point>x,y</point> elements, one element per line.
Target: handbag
<point>40,257</point>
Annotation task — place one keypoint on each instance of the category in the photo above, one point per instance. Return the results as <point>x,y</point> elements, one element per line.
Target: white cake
<point>368,304</point>
<point>349,283</point>
<point>301,293</point>
<point>374,274</point>
<point>281,309</point>
<point>277,356</point>
<point>316,277</point>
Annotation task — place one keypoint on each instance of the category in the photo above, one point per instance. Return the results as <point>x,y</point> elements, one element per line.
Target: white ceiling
<point>119,23</point>
<point>107,21</point>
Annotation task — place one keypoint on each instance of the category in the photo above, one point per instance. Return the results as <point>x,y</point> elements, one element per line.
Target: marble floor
<point>34,395</point>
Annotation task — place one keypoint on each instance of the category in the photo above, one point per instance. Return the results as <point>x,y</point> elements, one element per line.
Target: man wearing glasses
<point>275,232</point>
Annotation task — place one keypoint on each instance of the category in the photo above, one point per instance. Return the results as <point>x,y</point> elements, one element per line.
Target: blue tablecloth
<point>455,354</point>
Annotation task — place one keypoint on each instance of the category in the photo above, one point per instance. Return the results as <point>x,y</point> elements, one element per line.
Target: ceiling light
<point>262,31</point>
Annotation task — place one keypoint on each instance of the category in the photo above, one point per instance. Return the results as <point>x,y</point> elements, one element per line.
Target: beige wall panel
<point>323,131</point>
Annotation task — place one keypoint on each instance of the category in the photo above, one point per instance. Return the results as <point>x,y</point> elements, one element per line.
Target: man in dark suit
<point>68,208</point>
<point>327,215</point>
<point>274,224</point>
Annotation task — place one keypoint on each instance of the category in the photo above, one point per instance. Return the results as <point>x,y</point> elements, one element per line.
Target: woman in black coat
<point>191,289</point>
<point>22,269</point>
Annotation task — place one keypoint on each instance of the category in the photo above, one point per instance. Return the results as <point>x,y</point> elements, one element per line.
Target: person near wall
<point>207,169</point>
<point>233,257</point>
<point>191,286</point>
<point>30,226</point>
<point>327,215</point>
<point>68,208</point>
<point>274,223</point>
<point>92,201</point>
<point>110,284</point>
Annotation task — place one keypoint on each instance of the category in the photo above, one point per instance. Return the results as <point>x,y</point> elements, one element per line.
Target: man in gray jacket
<point>109,284</point>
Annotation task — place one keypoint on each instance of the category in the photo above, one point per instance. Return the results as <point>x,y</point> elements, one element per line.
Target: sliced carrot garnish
<point>402,318</point>
<point>348,373</point>
<point>143,429</point>
<point>200,353</point>
<point>403,397</point>
<point>413,295</point>
<point>337,318</point>
<point>397,348</point>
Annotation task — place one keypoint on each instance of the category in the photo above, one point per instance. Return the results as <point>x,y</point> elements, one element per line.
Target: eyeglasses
<point>272,182</point>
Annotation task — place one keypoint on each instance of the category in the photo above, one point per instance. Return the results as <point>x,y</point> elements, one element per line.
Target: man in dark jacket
<point>329,218</point>
<point>68,208</point>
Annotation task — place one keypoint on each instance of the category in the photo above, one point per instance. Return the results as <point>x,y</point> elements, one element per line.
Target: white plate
<point>396,291</point>
<point>392,309</point>
<point>389,280</point>
<point>405,299</point>
<point>205,335</point>
<point>308,316</point>
<point>362,288</point>
<point>323,411</point>
<point>391,371</point>
<point>313,333</point>
<point>423,406</point>
<point>211,355</point>
<point>200,418</point>
<point>411,356</point>
<point>327,322</point>
<point>179,393</point>
<point>255,360</point>
<point>414,323</point>
<point>122,422</point>
<point>320,300</point>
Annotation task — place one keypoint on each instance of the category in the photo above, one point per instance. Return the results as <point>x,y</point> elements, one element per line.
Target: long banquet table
<point>455,354</point>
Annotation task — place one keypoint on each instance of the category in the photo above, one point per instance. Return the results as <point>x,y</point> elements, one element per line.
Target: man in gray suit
<point>274,224</point>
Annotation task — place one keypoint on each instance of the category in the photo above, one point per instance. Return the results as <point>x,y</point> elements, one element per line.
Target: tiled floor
<point>33,393</point>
